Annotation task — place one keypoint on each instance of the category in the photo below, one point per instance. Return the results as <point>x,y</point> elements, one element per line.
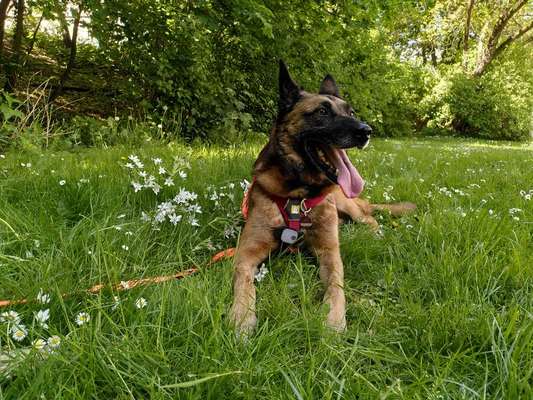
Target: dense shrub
<point>496,106</point>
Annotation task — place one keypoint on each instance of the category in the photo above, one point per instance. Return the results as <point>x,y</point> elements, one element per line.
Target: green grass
<point>440,307</point>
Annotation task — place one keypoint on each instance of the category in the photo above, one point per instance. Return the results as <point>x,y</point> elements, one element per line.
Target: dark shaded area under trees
<point>209,67</point>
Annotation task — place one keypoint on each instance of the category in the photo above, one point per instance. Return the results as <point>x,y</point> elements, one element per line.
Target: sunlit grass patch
<point>438,307</point>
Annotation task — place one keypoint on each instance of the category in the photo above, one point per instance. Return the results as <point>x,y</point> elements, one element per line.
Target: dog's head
<point>313,129</point>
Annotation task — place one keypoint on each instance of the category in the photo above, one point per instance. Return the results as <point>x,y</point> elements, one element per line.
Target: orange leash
<point>133,283</point>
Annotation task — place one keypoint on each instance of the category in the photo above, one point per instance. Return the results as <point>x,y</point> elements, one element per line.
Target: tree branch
<point>493,49</point>
<point>512,38</point>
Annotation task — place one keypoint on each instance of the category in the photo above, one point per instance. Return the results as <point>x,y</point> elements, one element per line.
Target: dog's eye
<point>352,114</point>
<point>322,111</point>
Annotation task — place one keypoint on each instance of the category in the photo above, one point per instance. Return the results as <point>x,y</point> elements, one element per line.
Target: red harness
<point>294,211</point>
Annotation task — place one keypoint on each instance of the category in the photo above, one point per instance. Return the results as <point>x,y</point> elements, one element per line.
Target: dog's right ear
<point>289,91</point>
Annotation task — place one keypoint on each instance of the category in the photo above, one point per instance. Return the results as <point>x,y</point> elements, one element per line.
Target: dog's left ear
<point>289,91</point>
<point>329,86</point>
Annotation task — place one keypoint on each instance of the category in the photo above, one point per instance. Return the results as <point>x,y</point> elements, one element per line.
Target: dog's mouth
<point>336,165</point>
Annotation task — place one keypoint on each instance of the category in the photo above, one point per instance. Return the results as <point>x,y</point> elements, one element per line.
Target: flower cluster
<point>187,206</point>
<point>155,175</point>
<point>526,195</point>
<point>39,328</point>
<point>261,273</point>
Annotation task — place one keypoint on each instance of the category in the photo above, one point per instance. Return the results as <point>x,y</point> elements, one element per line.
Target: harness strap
<point>293,210</point>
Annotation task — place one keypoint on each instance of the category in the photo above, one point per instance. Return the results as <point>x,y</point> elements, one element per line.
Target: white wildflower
<point>82,318</point>
<point>182,174</point>
<point>184,196</point>
<point>261,273</point>
<point>135,160</point>
<point>140,303</point>
<point>157,161</point>
<point>54,341</point>
<point>10,317</point>
<point>124,247</point>
<point>245,185</point>
<point>62,182</point>
<point>18,332</point>
<point>39,344</point>
<point>125,285</point>
<point>116,303</point>
<point>156,188</point>
<point>42,316</point>
<point>136,186</point>
<point>174,219</point>
<point>130,165</point>
<point>162,171</point>
<point>194,209</point>
<point>169,182</point>
<point>193,221</point>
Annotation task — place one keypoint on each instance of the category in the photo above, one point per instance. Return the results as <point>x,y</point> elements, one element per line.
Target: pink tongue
<point>349,179</point>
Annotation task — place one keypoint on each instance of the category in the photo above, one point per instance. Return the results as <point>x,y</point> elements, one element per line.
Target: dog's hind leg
<point>358,211</point>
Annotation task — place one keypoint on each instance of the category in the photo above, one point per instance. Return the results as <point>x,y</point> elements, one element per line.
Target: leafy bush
<point>496,106</point>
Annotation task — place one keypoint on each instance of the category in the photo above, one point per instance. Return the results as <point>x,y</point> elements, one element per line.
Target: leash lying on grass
<point>126,285</point>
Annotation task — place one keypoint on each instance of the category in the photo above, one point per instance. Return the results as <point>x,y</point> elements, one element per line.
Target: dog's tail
<point>396,209</point>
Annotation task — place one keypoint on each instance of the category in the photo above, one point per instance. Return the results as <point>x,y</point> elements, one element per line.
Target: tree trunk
<point>34,36</point>
<point>13,67</point>
<point>58,90</point>
<point>3,14</point>
<point>469,11</point>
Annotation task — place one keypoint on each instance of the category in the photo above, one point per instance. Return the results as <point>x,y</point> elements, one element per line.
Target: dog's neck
<point>281,171</point>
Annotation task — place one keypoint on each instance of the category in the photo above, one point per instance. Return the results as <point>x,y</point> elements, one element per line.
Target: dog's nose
<point>365,128</point>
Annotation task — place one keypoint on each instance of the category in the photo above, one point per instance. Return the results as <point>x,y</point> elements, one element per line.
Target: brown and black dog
<point>305,158</point>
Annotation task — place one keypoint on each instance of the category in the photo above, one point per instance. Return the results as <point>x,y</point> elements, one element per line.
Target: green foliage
<point>496,106</point>
<point>10,117</point>
<point>207,69</point>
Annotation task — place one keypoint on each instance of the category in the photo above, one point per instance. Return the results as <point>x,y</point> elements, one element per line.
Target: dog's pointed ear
<point>329,86</point>
<point>289,91</point>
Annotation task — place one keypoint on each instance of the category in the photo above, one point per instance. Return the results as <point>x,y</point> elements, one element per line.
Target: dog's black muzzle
<point>343,133</point>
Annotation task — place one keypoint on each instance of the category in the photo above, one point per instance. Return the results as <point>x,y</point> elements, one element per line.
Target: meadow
<point>439,307</point>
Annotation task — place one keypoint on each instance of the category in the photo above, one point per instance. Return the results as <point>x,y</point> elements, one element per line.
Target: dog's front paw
<point>336,322</point>
<point>243,320</point>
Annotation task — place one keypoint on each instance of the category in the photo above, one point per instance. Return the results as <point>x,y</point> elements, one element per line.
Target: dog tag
<point>289,236</point>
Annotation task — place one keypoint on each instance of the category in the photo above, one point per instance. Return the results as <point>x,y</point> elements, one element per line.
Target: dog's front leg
<point>324,240</point>
<point>255,245</point>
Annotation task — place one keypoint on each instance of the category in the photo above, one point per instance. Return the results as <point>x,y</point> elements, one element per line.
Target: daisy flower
<point>82,318</point>
<point>18,332</point>
<point>53,342</point>
<point>10,316</point>
<point>39,344</point>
